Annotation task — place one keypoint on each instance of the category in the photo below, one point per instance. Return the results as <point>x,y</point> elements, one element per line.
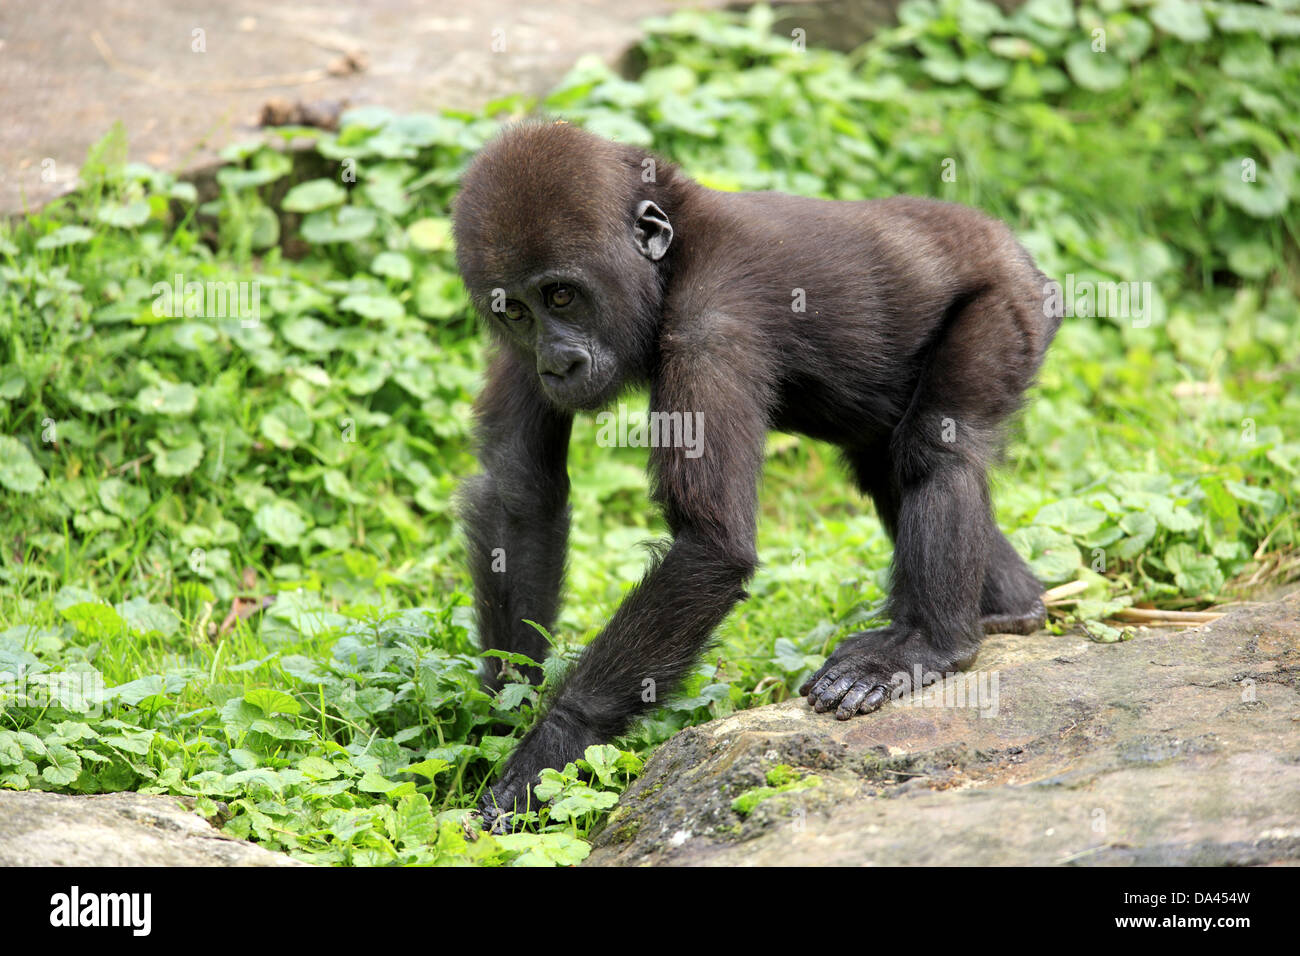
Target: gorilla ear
<point>652,230</point>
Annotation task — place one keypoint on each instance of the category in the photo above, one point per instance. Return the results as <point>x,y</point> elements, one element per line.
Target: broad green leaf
<point>286,425</point>
<point>124,215</point>
<point>343,224</point>
<point>430,234</point>
<point>272,701</point>
<point>441,296</point>
<point>1052,13</point>
<point>1140,528</point>
<point>1052,556</point>
<point>174,462</point>
<point>144,617</point>
<point>63,765</point>
<point>18,470</point>
<point>545,849</point>
<point>392,265</point>
<point>381,307</point>
<point>281,522</point>
<point>1185,19</point>
<point>428,768</point>
<point>986,72</point>
<point>1095,70</point>
<point>313,195</point>
<point>413,821</point>
<point>318,768</point>
<point>1197,575</point>
<point>1071,515</point>
<point>1262,198</point>
<point>127,501</point>
<point>65,236</point>
<point>168,398</point>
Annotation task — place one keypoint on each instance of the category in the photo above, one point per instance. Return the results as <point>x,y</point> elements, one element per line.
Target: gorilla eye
<point>561,295</point>
<point>513,310</point>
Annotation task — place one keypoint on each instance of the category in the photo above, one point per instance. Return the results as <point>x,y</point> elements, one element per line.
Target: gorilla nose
<point>564,367</point>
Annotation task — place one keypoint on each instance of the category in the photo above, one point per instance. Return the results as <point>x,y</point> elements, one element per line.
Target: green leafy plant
<point>232,419</point>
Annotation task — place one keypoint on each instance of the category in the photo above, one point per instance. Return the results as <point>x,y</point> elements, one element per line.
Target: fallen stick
<point>1142,615</point>
<point>1064,591</point>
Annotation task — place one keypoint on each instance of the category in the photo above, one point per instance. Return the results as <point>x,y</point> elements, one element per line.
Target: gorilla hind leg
<point>1011,601</point>
<point>1010,596</point>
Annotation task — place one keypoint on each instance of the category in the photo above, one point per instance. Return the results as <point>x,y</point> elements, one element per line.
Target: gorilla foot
<point>1024,622</point>
<point>559,738</point>
<point>870,667</point>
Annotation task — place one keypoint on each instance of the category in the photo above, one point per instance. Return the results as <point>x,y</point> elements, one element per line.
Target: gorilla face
<point>554,318</point>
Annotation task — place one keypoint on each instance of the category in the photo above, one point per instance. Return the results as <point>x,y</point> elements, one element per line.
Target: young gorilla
<point>598,268</point>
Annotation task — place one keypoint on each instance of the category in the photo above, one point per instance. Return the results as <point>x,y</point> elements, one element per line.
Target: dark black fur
<point>924,325</point>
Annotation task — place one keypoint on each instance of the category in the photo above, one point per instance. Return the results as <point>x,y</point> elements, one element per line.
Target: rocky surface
<point>1172,748</point>
<point>68,73</point>
<point>117,829</point>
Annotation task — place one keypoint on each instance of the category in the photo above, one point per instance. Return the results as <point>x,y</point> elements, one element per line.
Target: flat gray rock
<point>1172,748</point>
<point>187,77</point>
<point>116,829</point>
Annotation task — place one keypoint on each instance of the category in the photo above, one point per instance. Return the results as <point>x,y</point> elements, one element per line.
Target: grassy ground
<point>230,568</point>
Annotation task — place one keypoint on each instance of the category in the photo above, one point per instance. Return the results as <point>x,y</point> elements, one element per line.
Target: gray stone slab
<point>1173,748</point>
<point>117,829</point>
<point>71,68</point>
